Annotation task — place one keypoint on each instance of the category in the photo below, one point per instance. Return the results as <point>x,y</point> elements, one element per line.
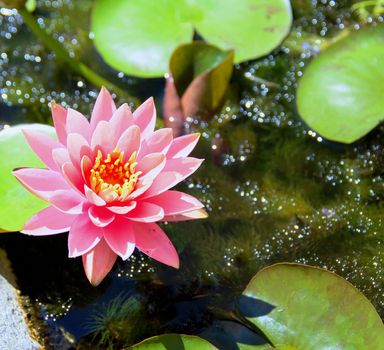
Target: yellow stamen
<point>112,173</point>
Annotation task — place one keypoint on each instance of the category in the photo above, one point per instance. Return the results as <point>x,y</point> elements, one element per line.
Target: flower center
<point>112,173</point>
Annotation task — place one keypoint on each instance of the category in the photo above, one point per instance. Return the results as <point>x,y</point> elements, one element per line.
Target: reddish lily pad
<point>18,205</point>
<point>314,310</point>
<point>200,75</point>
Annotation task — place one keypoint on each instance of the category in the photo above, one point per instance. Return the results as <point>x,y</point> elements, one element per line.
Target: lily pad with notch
<point>314,310</point>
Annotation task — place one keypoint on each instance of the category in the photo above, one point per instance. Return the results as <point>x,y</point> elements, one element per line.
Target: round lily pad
<point>174,342</point>
<point>340,95</point>
<point>138,37</point>
<point>18,205</point>
<point>313,309</point>
<point>253,28</point>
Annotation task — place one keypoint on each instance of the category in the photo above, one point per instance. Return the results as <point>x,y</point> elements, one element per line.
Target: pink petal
<point>120,237</point>
<point>145,117</point>
<point>86,166</point>
<point>49,221</point>
<point>158,142</point>
<point>73,176</point>
<point>191,215</point>
<point>68,201</point>
<point>77,123</point>
<point>83,236</point>
<point>175,202</point>
<point>182,146</point>
<point>98,262</point>
<point>103,109</point>
<point>78,147</point>
<point>59,116</point>
<point>121,120</point>
<point>41,182</point>
<point>124,209</point>
<point>141,187</point>
<point>175,170</point>
<point>60,156</point>
<point>151,165</point>
<point>152,240</point>
<point>163,182</point>
<point>129,141</point>
<point>100,216</point>
<point>184,166</point>
<point>93,197</point>
<point>43,145</point>
<point>146,212</point>
<point>102,137</point>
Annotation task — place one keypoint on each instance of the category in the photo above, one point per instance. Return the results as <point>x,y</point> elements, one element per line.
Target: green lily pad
<point>18,205</point>
<point>314,310</point>
<point>174,342</point>
<point>253,28</point>
<point>340,95</point>
<point>138,37</point>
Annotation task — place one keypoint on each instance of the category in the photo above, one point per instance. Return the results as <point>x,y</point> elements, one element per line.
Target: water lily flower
<point>108,182</point>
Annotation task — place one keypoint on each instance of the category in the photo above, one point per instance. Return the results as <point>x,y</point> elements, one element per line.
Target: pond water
<point>275,190</point>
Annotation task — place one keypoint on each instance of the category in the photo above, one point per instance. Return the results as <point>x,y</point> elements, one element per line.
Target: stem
<point>63,55</point>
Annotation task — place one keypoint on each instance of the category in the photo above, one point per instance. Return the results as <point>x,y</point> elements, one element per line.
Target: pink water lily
<point>108,182</point>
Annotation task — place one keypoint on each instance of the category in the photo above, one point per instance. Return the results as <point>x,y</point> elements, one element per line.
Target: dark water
<point>274,189</point>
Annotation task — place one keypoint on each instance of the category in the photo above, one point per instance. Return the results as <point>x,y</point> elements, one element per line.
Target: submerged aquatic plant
<point>108,182</point>
<point>115,321</point>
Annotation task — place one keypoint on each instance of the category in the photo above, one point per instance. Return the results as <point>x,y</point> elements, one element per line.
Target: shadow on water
<point>227,335</point>
<point>253,307</point>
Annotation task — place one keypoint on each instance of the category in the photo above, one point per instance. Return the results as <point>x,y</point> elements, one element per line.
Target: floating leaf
<point>252,28</point>
<point>200,74</point>
<point>174,342</point>
<point>341,92</point>
<point>138,37</point>
<point>314,310</point>
<point>232,335</point>
<point>18,204</point>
